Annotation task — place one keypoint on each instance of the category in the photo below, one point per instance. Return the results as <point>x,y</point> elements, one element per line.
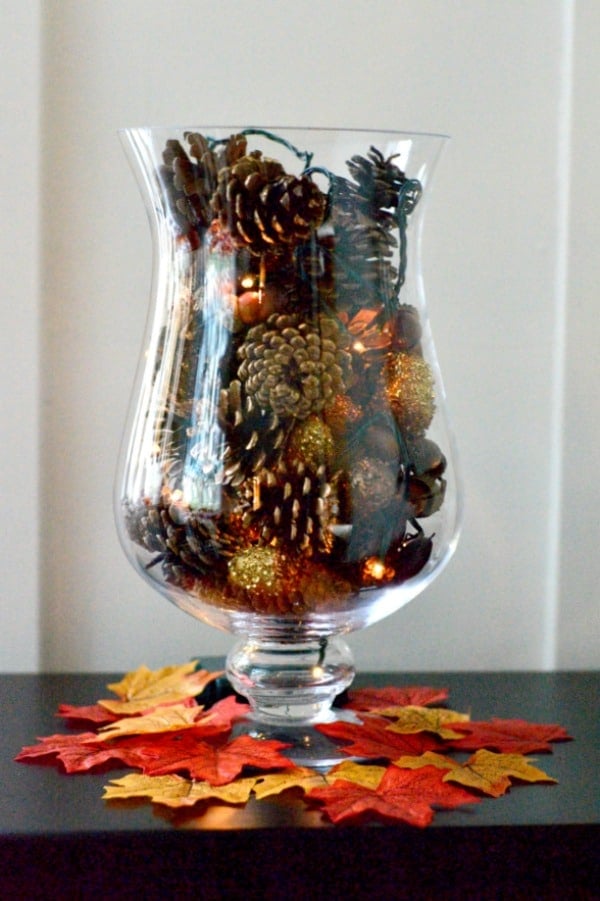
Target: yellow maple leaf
<point>412,719</point>
<point>367,775</point>
<point>175,791</point>
<point>486,771</point>
<point>298,777</point>
<point>162,719</point>
<point>143,688</point>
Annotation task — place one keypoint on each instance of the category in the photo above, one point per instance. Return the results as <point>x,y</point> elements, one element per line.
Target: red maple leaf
<point>53,745</point>
<point>218,764</point>
<point>405,795</point>
<point>373,739</point>
<point>226,711</point>
<point>92,713</point>
<point>506,736</point>
<point>390,696</point>
<point>79,753</point>
<point>82,758</point>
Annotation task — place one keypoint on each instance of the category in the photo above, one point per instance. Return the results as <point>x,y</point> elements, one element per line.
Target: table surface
<point>55,830</point>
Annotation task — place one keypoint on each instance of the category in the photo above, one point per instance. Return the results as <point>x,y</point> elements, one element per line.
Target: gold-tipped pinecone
<point>294,366</point>
<point>291,507</point>
<point>254,436</point>
<point>264,207</point>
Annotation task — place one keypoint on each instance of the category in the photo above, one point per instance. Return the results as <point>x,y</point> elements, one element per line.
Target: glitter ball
<point>310,444</point>
<point>256,569</point>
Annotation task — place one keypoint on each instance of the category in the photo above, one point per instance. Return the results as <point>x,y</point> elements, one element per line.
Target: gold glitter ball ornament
<point>310,445</point>
<point>410,391</point>
<point>258,570</point>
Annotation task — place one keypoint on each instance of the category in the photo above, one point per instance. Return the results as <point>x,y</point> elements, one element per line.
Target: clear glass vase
<point>288,473</point>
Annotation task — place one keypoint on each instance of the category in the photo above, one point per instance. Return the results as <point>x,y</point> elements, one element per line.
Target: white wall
<point>511,271</point>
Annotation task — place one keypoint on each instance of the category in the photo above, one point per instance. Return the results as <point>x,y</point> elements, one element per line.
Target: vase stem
<point>287,682</point>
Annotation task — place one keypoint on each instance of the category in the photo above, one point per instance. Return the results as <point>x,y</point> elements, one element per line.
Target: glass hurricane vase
<point>288,473</point>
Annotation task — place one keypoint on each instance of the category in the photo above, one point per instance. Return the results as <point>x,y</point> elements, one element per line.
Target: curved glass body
<point>288,473</point>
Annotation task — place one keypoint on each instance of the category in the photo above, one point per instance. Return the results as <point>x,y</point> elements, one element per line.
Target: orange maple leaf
<point>485,771</point>
<point>143,689</point>
<point>412,719</point>
<point>161,719</point>
<point>175,791</point>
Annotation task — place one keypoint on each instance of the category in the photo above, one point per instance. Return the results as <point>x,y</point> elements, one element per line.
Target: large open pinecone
<point>378,180</point>
<point>294,366</point>
<point>264,207</point>
<point>190,177</point>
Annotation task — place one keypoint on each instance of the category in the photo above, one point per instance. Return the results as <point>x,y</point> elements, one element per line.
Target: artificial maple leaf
<point>485,771</point>
<point>82,758</point>
<point>373,739</point>
<point>367,775</point>
<point>221,764</point>
<point>174,791</point>
<point>161,719</point>
<point>390,696</point>
<point>52,745</point>
<point>510,736</point>
<point>93,713</point>
<point>143,689</point>
<point>405,795</point>
<point>79,753</point>
<point>226,711</point>
<point>411,719</point>
<point>174,747</point>
<point>295,777</point>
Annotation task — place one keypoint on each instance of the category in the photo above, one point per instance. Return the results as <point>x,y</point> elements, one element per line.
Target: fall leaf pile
<point>404,751</point>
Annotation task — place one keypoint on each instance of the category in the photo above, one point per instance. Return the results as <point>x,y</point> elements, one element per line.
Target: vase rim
<point>400,133</point>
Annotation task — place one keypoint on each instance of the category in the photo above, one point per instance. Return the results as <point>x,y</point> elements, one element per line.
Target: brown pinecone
<point>191,179</point>
<point>292,366</point>
<point>264,207</point>
<point>183,542</point>
<point>360,267</point>
<point>254,436</point>
<point>378,180</point>
<point>291,508</point>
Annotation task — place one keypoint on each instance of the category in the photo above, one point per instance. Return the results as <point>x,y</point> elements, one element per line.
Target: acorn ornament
<point>409,388</point>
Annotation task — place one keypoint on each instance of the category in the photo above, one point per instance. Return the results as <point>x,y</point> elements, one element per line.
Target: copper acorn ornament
<point>409,387</point>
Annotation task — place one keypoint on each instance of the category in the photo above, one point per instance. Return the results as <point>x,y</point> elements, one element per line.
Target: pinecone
<point>191,182</point>
<point>264,207</point>
<point>184,543</point>
<point>379,180</point>
<point>291,508</point>
<point>293,366</point>
<point>254,436</point>
<point>359,265</point>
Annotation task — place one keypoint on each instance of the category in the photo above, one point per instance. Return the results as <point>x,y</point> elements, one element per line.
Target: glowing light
<point>247,281</point>
<point>376,570</point>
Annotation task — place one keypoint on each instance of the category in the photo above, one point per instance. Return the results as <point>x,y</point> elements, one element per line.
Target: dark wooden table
<point>58,839</point>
